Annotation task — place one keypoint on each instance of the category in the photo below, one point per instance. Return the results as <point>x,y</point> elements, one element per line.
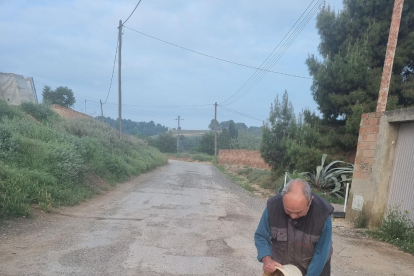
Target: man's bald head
<point>297,198</point>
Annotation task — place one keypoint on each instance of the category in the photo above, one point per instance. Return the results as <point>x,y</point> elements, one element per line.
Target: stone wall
<point>249,158</point>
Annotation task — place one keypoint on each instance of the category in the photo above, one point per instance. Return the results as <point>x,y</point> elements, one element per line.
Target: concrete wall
<point>250,158</point>
<point>374,163</point>
<point>67,112</point>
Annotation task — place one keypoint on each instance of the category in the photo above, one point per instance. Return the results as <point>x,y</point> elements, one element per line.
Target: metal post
<point>346,196</point>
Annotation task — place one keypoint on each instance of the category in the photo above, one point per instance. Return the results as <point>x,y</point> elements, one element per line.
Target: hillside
<point>49,161</point>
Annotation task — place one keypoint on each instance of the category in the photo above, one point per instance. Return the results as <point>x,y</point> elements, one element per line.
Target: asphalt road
<point>180,219</point>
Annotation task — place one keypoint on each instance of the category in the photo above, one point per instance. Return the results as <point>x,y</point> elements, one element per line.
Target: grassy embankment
<point>201,157</point>
<point>49,161</point>
<point>250,178</point>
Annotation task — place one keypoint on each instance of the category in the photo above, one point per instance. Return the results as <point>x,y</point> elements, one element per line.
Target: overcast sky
<point>73,43</point>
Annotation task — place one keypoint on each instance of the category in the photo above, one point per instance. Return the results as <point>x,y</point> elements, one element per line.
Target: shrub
<point>330,179</point>
<point>9,111</point>
<point>361,220</point>
<point>397,229</point>
<point>41,112</point>
<point>47,164</point>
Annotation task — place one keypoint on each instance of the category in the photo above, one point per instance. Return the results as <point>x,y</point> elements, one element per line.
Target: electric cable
<point>113,70</point>
<point>237,112</point>
<point>274,57</point>
<point>216,58</point>
<point>132,12</point>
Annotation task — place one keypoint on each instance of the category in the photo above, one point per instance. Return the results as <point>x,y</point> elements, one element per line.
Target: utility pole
<point>119,79</point>
<point>178,133</point>
<point>389,57</point>
<point>215,132</point>
<point>101,110</point>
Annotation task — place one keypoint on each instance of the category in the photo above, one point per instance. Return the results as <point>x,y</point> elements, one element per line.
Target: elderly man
<point>296,228</point>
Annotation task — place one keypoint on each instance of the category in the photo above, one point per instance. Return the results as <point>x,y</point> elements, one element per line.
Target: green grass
<point>397,229</point>
<point>202,157</point>
<point>46,160</point>
<point>236,179</point>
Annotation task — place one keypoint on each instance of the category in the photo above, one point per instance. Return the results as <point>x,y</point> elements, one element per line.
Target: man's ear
<point>310,202</point>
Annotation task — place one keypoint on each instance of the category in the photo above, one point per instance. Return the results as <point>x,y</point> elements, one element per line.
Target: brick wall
<point>367,140</point>
<point>67,112</point>
<point>250,158</point>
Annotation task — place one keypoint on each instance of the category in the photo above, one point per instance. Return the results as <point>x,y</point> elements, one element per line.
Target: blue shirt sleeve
<point>322,250</point>
<point>262,237</point>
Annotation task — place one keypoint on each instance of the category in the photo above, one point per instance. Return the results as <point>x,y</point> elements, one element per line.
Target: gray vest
<point>294,240</point>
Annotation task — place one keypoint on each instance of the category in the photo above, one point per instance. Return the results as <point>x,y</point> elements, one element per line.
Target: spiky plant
<point>330,179</point>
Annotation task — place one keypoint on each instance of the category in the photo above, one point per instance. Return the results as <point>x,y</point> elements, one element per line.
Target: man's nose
<point>294,216</point>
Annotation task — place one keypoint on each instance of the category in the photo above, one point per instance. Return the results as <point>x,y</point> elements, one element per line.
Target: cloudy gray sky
<point>72,43</point>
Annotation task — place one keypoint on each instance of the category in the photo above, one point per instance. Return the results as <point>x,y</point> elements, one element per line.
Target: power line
<point>113,70</point>
<point>164,106</point>
<point>216,58</point>
<point>240,113</point>
<point>132,11</point>
<point>274,56</point>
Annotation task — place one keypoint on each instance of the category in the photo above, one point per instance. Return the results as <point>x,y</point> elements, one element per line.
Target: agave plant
<point>330,179</point>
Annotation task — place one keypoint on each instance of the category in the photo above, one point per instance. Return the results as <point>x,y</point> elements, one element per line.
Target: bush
<point>361,220</point>
<point>41,112</point>
<point>165,142</point>
<point>9,111</point>
<point>47,164</point>
<point>329,179</point>
<point>397,229</point>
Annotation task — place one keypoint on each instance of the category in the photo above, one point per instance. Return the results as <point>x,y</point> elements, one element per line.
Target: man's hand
<point>269,265</point>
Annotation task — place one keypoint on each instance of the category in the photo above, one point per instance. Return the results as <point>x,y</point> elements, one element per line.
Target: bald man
<point>296,228</point>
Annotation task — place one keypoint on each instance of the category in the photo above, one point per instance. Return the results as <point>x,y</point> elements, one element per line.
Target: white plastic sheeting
<point>15,89</point>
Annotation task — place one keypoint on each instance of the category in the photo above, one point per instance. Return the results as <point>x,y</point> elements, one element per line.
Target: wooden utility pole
<point>389,57</point>
<point>101,110</point>
<point>178,133</point>
<point>119,79</point>
<point>215,132</point>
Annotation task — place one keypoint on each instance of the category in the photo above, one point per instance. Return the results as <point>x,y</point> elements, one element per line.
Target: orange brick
<point>373,122</point>
<point>369,153</point>
<point>368,160</point>
<point>379,114</point>
<point>360,153</point>
<point>364,116</point>
<point>358,160</point>
<point>366,122</point>
<point>372,115</point>
<point>371,138</point>
<point>375,129</point>
<point>364,137</point>
<point>372,145</point>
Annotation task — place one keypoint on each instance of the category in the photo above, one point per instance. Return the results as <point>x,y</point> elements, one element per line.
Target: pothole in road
<point>218,247</point>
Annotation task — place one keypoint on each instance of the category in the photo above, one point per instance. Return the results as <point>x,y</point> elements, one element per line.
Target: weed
<point>202,157</point>
<point>397,229</point>
<point>236,179</point>
<point>361,220</point>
